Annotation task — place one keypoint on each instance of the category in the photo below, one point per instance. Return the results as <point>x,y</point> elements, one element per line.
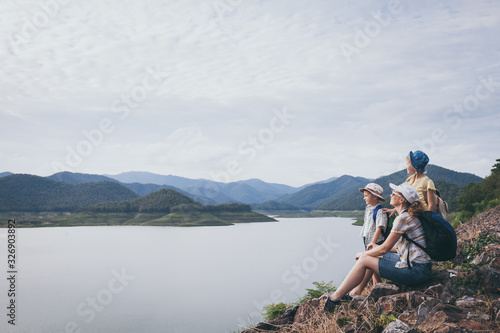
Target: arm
<point>432,200</point>
<point>376,236</point>
<point>387,246</point>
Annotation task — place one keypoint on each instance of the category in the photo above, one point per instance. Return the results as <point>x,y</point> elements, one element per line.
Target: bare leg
<point>376,279</point>
<point>359,289</point>
<point>356,275</point>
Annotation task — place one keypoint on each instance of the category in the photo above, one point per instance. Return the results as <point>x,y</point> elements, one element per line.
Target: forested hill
<point>159,201</point>
<point>28,193</point>
<point>448,182</point>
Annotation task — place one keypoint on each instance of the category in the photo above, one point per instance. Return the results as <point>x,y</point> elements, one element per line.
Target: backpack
<point>390,220</point>
<point>440,237</point>
<point>442,206</point>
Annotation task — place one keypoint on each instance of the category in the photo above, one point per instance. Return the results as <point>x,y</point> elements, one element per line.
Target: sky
<point>289,92</point>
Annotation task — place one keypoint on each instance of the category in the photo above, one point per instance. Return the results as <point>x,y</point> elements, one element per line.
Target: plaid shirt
<point>405,223</point>
<point>369,226</point>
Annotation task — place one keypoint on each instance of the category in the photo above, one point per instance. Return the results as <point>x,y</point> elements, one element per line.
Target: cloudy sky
<point>286,91</point>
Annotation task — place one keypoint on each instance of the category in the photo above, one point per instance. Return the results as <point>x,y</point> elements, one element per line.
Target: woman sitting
<point>397,259</point>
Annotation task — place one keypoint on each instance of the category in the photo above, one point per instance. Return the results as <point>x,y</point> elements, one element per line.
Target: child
<point>415,165</point>
<point>372,231</point>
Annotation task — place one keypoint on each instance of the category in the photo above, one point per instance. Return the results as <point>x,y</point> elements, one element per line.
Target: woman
<point>397,259</point>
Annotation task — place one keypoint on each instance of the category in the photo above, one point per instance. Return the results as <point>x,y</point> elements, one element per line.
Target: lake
<point>168,279</point>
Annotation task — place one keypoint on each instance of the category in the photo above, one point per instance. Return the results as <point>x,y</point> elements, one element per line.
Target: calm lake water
<point>167,279</point>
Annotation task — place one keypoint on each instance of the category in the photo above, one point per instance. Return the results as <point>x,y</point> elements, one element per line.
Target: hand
<point>358,255</point>
<point>370,246</point>
<point>391,211</point>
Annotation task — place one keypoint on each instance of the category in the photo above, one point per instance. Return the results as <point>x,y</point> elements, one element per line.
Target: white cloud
<point>225,72</point>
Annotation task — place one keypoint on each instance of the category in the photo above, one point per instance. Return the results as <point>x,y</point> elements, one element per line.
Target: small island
<point>165,207</point>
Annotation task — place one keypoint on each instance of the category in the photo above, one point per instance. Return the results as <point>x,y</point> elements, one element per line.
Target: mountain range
<point>70,191</point>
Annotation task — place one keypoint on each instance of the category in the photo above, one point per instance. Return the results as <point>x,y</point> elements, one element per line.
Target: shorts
<point>419,273</point>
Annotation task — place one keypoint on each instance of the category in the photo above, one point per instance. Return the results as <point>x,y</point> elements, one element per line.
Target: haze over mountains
<point>333,194</point>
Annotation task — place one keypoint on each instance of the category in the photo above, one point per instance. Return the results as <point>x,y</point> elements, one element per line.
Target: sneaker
<point>330,305</point>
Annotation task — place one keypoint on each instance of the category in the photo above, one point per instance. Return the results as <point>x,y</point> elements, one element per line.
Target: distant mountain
<point>77,178</point>
<point>246,191</point>
<point>159,201</point>
<point>21,192</point>
<point>5,174</point>
<point>140,189</point>
<point>450,183</point>
<point>316,195</point>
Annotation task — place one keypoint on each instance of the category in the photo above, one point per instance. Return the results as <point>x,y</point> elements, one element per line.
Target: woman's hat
<point>408,191</point>
<point>374,189</point>
<point>419,160</point>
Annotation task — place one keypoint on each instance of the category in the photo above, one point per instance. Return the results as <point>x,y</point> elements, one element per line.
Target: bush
<point>321,289</point>
<point>273,311</point>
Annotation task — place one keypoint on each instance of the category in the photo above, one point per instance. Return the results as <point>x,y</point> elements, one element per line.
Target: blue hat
<point>419,160</point>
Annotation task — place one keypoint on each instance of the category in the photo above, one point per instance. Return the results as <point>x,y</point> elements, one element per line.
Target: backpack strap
<point>375,211</point>
<point>405,236</point>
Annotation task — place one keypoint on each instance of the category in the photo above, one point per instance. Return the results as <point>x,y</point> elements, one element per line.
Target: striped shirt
<point>405,223</point>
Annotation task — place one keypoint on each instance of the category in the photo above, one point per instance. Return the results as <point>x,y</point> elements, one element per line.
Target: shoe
<point>330,305</point>
<point>347,297</point>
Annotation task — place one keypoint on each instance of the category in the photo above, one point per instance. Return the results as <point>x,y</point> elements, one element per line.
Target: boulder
<point>440,318</point>
<point>434,290</point>
<point>309,309</point>
<point>495,263</point>
<point>493,250</point>
<point>397,326</point>
<point>489,277</point>
<point>469,302</point>
<point>447,298</point>
<point>383,289</point>
<point>401,302</point>
<point>425,308</point>
<point>481,259</point>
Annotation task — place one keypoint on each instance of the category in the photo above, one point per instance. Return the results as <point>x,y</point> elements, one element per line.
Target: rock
<point>497,317</point>
<point>397,326</point>
<point>440,316</point>
<point>383,289</point>
<point>425,308</point>
<point>489,277</point>
<point>493,249</point>
<point>481,259</point>
<point>409,316</point>
<point>435,290</point>
<point>495,263</point>
<point>469,302</point>
<point>400,302</point>
<point>309,309</point>
<point>447,298</point>
<point>261,327</point>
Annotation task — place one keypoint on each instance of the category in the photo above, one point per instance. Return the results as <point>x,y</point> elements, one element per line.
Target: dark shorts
<point>419,273</point>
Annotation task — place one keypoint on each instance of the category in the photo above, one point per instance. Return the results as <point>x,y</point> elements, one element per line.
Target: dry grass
<point>347,317</point>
